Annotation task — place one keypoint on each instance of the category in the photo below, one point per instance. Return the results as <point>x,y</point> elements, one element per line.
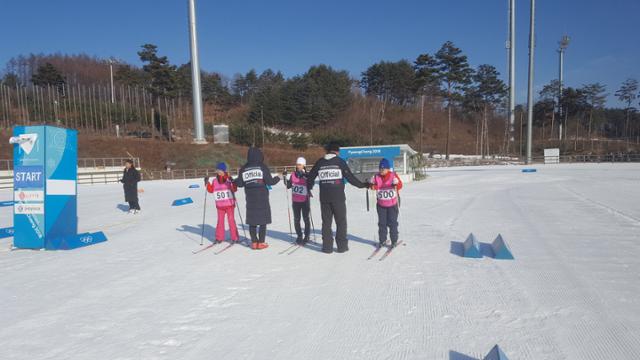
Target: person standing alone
<point>332,172</point>
<point>130,179</point>
<point>387,185</point>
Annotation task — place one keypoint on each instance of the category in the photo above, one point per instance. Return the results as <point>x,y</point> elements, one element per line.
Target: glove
<point>395,181</point>
<point>284,173</point>
<point>206,180</point>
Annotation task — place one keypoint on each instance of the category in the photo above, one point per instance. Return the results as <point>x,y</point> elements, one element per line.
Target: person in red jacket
<point>223,189</point>
<point>387,185</point>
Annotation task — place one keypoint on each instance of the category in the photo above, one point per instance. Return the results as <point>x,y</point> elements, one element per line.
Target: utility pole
<point>198,122</point>
<point>532,45</point>
<point>113,95</point>
<point>421,124</point>
<point>511,44</point>
<point>564,44</point>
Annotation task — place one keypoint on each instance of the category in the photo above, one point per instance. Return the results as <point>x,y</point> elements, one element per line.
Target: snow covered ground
<point>573,291</point>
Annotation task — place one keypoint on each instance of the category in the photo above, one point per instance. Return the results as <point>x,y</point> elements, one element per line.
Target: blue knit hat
<point>384,164</point>
<point>221,166</point>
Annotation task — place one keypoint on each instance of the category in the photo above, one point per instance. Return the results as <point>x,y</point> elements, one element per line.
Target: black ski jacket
<point>332,171</point>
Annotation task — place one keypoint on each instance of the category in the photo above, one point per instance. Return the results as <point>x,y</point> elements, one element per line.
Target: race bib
<point>330,174</point>
<point>222,195</point>
<point>251,175</point>
<point>299,190</point>
<point>387,194</point>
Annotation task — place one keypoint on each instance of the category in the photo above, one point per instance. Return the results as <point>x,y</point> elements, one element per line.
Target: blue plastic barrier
<point>472,247</point>
<point>496,354</point>
<point>500,249</point>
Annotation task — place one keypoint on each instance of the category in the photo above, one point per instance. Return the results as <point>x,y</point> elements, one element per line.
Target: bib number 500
<point>386,194</point>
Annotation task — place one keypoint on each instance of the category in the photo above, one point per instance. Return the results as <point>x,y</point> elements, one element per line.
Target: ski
<point>287,249</point>
<point>298,246</point>
<point>205,248</point>
<point>224,248</point>
<point>389,250</point>
<point>375,252</point>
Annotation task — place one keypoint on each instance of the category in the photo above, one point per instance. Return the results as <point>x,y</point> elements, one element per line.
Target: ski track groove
<point>583,330</point>
<point>309,305</point>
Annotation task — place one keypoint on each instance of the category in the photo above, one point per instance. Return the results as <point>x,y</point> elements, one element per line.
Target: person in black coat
<point>332,172</point>
<point>254,177</point>
<point>130,179</point>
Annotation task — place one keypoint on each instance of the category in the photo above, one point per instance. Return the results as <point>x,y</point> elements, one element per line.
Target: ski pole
<point>235,200</point>
<point>367,200</point>
<point>204,214</point>
<point>286,193</point>
<point>313,227</point>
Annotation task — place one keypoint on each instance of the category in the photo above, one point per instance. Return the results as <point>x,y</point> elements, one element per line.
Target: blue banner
<point>6,232</point>
<point>6,203</point>
<point>28,177</point>
<point>76,241</point>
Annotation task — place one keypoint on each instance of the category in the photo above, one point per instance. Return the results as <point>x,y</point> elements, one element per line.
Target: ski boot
<point>262,246</point>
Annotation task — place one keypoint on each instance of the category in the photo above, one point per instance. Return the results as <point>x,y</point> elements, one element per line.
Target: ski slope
<point>571,293</point>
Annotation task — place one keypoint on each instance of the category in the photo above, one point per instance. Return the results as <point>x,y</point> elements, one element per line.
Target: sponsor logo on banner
<point>27,141</point>
<point>86,239</point>
<point>252,174</point>
<point>330,174</point>
<point>28,209</point>
<point>28,177</point>
<point>29,196</point>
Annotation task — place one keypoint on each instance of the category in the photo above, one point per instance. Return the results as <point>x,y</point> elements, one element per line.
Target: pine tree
<point>455,74</point>
<point>47,74</point>
<point>627,93</point>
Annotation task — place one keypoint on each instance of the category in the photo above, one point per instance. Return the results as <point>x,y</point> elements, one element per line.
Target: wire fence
<point>131,112</point>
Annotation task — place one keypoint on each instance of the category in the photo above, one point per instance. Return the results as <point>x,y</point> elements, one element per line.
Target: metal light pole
<point>113,95</point>
<point>512,69</point>
<point>262,123</point>
<point>532,45</point>
<point>198,123</point>
<point>564,44</point>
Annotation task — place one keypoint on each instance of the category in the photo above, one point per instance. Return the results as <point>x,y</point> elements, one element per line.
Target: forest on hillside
<point>437,102</point>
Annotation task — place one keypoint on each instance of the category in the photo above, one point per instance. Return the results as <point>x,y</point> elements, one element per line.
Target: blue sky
<point>291,35</point>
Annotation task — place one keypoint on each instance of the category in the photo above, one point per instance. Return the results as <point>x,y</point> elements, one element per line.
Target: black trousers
<point>388,218</point>
<point>134,205</point>
<point>301,210</point>
<point>258,235</point>
<point>337,211</point>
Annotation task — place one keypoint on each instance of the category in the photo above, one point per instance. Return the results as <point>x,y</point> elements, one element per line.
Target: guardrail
<point>181,174</point>
<point>7,165</point>
<point>473,161</point>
